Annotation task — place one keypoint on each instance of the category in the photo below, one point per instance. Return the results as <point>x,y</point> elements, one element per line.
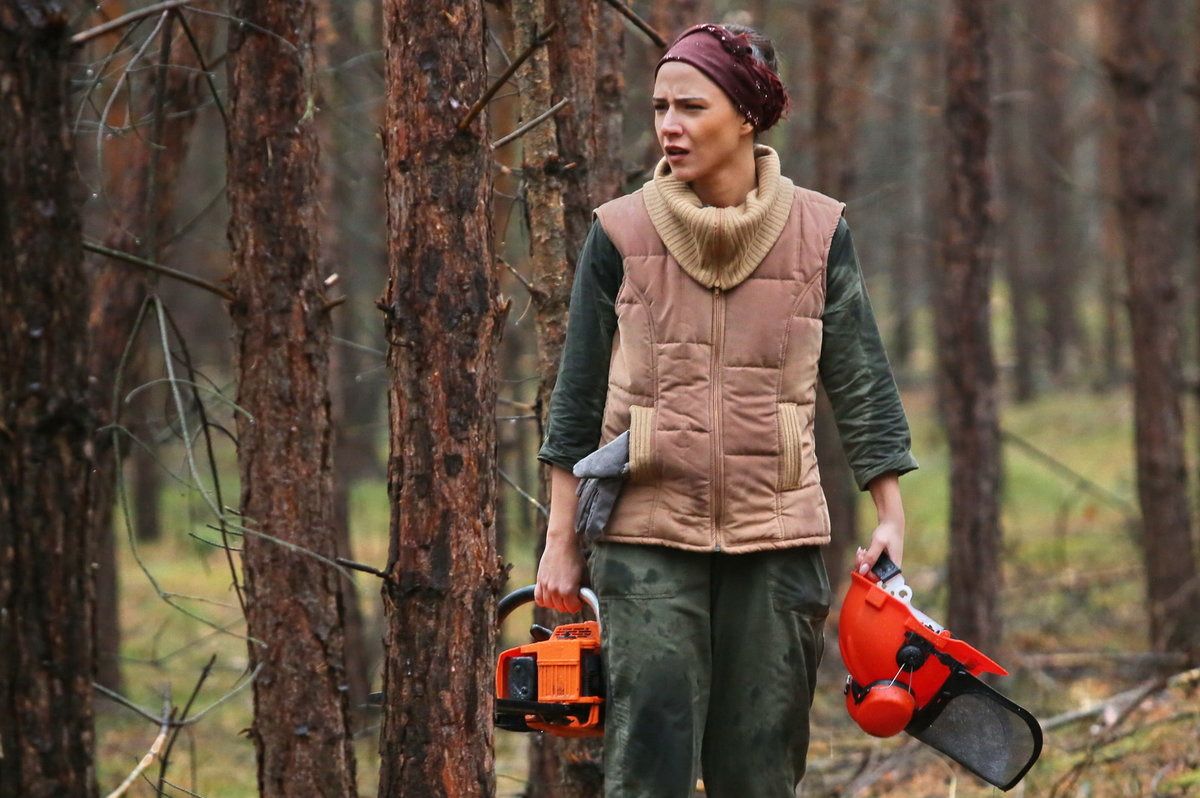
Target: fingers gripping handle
<point>524,595</point>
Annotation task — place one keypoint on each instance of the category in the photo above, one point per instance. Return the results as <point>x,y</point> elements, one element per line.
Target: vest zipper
<point>718,327</point>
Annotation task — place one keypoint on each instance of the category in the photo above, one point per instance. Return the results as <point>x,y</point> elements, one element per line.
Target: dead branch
<point>524,494</point>
<point>86,36</point>
<point>479,104</point>
<point>1083,482</point>
<point>158,268</point>
<point>358,566</point>
<point>639,23</point>
<point>532,123</point>
<point>194,719</point>
<point>1084,659</point>
<point>166,756</point>
<point>1068,779</point>
<point>204,67</point>
<point>1119,700</point>
<point>150,756</point>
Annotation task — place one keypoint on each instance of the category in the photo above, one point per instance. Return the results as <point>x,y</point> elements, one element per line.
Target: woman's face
<point>697,126</point>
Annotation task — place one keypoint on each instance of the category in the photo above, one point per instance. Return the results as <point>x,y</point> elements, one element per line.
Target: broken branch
<point>541,39</point>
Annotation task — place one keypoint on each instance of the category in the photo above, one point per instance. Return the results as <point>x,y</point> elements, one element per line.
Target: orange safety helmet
<point>907,673</point>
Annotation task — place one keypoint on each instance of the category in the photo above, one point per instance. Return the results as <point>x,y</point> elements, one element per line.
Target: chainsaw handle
<point>524,595</point>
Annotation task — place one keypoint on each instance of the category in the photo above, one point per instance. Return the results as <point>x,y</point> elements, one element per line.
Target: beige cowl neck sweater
<point>720,247</point>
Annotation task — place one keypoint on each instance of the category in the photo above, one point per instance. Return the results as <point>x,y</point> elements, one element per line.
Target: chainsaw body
<point>555,683</point>
<point>909,674</point>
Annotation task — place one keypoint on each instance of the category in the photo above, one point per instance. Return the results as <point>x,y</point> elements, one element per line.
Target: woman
<point>705,305</point>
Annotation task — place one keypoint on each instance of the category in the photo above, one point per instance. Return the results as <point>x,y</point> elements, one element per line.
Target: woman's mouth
<point>675,153</point>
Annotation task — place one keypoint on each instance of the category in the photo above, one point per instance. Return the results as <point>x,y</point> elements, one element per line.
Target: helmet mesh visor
<point>981,730</point>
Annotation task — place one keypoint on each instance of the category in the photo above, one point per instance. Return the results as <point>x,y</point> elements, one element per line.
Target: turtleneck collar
<point>720,247</point>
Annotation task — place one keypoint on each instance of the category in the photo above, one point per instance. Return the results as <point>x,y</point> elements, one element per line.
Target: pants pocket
<point>798,582</point>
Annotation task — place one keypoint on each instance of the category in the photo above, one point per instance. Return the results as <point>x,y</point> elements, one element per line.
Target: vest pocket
<point>641,440</point>
<point>791,435</point>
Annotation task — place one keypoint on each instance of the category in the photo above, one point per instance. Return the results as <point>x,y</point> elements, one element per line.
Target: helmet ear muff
<point>881,709</point>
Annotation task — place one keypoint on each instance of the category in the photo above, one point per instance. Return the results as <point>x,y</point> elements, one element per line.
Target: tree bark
<point>300,729</point>
<point>1138,67</point>
<point>1012,142</point>
<point>141,220</point>
<point>559,156</point>
<point>1052,147</point>
<point>46,590</point>
<point>443,320</point>
<point>352,194</point>
<point>966,372</point>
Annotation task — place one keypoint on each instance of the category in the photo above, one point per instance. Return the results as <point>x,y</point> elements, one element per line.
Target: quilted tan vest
<point>717,388</point>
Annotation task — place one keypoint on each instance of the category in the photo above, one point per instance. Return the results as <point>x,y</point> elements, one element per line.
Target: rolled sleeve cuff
<point>901,463</point>
<point>551,456</point>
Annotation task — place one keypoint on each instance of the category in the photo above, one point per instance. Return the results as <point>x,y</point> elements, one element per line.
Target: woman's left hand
<point>889,536</point>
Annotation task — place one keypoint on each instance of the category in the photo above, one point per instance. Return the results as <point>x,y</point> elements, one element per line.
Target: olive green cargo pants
<point>711,660</point>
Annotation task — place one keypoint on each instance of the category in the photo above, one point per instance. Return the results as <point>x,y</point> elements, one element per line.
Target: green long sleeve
<point>856,374</point>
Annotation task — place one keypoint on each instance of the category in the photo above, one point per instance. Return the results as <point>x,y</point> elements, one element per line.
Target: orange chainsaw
<point>554,684</point>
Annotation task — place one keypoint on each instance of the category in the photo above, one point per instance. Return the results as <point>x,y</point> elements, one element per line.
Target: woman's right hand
<point>560,572</point>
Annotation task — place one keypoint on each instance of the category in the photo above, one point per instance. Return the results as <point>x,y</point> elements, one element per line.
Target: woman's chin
<point>683,171</point>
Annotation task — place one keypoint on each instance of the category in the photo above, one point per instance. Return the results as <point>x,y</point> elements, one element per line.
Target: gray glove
<point>602,474</point>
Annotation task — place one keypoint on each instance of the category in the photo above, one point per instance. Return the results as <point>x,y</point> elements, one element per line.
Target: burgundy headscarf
<point>728,60</point>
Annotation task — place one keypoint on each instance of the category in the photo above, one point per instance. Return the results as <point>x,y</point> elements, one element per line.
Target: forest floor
<point>1075,631</point>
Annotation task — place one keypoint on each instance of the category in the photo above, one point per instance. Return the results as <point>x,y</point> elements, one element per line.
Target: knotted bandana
<point>728,60</point>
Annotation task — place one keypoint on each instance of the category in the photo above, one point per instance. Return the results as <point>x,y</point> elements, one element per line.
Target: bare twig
<point>532,123</point>
<point>1099,491</point>
<point>194,719</point>
<point>1123,700</point>
<point>1068,779</point>
<point>212,87</point>
<point>158,268</point>
<point>212,459</point>
<point>479,104</point>
<point>358,566</point>
<point>165,760</point>
<point>150,756</point>
<point>639,23</point>
<point>85,36</point>
<point>524,494</point>
<point>530,287</point>
<point>112,97</point>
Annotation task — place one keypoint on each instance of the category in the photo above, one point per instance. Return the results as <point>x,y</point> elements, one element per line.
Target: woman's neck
<point>728,186</point>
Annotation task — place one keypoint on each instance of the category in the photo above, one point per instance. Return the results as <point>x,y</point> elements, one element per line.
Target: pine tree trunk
<point>300,730</point>
<point>46,590</point>
<point>1139,67</point>
<point>966,372</point>
<point>1011,143</point>
<point>558,155</point>
<point>352,196</point>
<point>1052,146</point>
<point>443,319</point>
